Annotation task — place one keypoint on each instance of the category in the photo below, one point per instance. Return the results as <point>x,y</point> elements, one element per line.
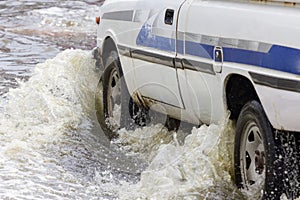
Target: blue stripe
<point>243,56</point>
<point>180,46</point>
<point>146,39</point>
<point>199,50</point>
<point>284,59</point>
<point>279,58</point>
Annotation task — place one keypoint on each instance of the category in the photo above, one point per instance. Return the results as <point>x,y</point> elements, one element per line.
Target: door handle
<point>169,16</point>
<point>218,59</point>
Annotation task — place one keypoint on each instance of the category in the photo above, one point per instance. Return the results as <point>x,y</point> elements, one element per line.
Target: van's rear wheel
<point>254,154</point>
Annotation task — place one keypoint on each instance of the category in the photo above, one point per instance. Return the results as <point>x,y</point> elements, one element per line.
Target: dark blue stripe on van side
<point>158,43</point>
<point>180,46</point>
<point>279,58</point>
<point>243,56</point>
<point>199,50</point>
<point>284,59</point>
<point>146,39</point>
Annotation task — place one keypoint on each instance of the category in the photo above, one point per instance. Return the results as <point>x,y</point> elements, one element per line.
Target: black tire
<point>172,124</point>
<point>112,81</point>
<point>257,167</point>
<point>140,115</point>
<point>131,115</point>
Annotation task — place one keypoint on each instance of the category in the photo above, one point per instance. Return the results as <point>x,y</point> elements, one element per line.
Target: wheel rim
<point>252,159</point>
<point>114,100</point>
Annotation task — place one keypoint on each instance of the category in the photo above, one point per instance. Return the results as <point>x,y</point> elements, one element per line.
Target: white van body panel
<point>176,65</point>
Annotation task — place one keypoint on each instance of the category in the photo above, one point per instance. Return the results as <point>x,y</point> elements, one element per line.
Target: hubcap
<point>114,100</point>
<point>252,158</point>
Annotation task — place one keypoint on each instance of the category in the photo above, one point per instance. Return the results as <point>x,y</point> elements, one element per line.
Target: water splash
<point>38,116</point>
<point>47,150</point>
<point>199,169</point>
<point>56,96</point>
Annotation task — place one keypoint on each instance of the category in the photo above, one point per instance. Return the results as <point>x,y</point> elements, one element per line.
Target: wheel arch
<point>238,91</point>
<point>109,45</point>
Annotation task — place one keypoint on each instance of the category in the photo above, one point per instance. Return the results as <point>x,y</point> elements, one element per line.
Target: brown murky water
<point>51,146</point>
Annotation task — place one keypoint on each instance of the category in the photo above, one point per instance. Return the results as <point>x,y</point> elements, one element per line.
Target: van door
<point>155,72</point>
<point>202,59</point>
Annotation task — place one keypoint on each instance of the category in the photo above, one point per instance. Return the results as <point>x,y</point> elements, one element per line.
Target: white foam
<point>38,115</point>
<point>199,169</point>
<point>55,101</point>
<point>55,97</point>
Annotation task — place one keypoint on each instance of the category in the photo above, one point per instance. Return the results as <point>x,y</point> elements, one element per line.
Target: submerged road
<point>51,146</point>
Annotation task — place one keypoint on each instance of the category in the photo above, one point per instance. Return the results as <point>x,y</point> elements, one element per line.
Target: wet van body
<point>200,59</point>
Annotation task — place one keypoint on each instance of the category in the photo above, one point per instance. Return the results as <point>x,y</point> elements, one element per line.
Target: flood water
<point>33,31</point>
<point>51,146</point>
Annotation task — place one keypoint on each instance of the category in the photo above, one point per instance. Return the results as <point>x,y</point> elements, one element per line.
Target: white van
<point>196,59</point>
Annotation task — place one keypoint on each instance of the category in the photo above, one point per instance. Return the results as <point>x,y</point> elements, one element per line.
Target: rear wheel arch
<point>239,90</point>
<point>246,109</point>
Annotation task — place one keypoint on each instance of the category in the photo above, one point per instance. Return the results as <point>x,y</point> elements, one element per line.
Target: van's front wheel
<point>115,109</point>
<point>112,98</point>
<point>254,154</point>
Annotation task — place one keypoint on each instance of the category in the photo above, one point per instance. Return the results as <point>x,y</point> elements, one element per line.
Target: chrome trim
<point>152,101</point>
<point>126,15</point>
<point>125,51</point>
<point>228,42</point>
<point>166,60</point>
<point>198,66</point>
<point>275,82</point>
<point>152,57</point>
